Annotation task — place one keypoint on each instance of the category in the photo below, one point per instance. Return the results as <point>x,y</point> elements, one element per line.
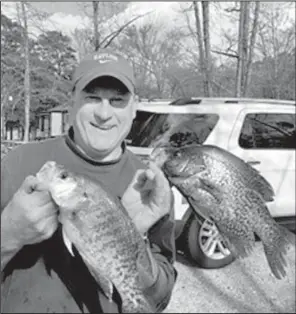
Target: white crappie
<point>102,232</point>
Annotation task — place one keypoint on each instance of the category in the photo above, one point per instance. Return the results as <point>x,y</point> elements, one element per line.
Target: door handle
<point>253,162</point>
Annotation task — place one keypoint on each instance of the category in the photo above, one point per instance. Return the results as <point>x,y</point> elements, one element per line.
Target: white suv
<point>260,131</point>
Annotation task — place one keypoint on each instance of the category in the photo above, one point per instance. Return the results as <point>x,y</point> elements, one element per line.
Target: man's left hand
<point>148,197</point>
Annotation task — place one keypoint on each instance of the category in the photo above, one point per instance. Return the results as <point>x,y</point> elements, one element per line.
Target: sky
<point>64,7</point>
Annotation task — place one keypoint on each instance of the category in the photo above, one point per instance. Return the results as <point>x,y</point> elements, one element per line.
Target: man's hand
<point>30,217</point>
<point>148,197</point>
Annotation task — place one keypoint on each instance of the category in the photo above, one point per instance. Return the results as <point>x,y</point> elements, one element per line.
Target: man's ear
<point>134,104</point>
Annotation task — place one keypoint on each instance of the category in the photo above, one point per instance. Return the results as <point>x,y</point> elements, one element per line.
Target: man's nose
<point>104,110</point>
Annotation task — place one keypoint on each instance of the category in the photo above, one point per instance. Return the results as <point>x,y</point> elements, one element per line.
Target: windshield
<point>148,128</point>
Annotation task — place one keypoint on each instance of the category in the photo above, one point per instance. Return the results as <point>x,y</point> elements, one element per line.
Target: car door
<point>266,140</point>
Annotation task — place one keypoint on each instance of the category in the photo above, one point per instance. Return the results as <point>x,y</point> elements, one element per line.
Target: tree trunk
<point>207,60</point>
<point>251,48</point>
<point>96,25</point>
<point>3,126</point>
<point>238,81</point>
<point>200,43</point>
<point>245,42</point>
<point>275,49</point>
<point>27,86</point>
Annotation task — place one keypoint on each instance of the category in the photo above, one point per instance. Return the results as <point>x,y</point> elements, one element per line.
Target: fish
<point>102,232</point>
<point>225,189</point>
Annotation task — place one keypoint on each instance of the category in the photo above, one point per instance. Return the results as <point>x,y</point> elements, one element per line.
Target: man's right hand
<point>30,217</point>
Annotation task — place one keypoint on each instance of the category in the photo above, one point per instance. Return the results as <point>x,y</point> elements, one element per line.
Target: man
<point>41,270</point>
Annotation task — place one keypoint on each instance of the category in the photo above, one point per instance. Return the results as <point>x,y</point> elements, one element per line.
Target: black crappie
<point>232,194</point>
<point>102,232</point>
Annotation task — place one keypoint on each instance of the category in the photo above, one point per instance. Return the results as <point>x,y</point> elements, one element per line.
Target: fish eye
<point>64,175</point>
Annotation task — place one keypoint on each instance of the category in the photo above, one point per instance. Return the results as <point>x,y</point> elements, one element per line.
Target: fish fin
<point>136,303</point>
<point>262,186</point>
<point>204,197</point>
<point>252,177</point>
<point>276,239</point>
<point>104,283</point>
<point>276,250</point>
<point>212,188</point>
<point>198,208</point>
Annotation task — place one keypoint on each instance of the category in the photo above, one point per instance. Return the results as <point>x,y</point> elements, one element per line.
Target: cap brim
<point>83,82</point>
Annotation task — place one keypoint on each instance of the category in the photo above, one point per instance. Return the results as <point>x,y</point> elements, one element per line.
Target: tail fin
<point>276,251</point>
<point>139,304</point>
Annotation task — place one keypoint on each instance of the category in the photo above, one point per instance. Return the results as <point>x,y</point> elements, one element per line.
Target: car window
<point>149,128</point>
<point>268,130</point>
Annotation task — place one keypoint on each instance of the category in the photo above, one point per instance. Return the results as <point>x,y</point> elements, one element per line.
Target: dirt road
<point>245,286</point>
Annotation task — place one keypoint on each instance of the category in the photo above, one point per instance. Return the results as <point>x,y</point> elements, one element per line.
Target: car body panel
<point>276,165</point>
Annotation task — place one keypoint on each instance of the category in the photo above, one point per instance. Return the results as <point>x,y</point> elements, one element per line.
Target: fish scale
<point>231,193</point>
<point>103,234</point>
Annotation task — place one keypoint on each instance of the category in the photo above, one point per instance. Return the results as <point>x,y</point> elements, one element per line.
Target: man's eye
<point>116,101</point>
<point>93,99</point>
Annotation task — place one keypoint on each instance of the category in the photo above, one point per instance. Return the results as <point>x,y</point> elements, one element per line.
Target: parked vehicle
<point>260,131</point>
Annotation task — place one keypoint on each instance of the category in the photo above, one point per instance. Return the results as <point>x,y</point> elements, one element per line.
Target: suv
<point>259,131</point>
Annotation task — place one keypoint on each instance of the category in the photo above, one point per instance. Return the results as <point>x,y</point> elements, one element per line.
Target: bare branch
<point>113,35</point>
<point>225,53</point>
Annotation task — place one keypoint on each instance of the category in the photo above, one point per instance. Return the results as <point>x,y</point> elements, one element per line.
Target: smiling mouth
<point>102,127</point>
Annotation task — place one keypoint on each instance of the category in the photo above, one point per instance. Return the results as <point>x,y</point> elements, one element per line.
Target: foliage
<point>52,60</point>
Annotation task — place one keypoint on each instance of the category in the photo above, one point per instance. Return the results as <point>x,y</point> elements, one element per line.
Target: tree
<point>11,68</point>
<point>251,49</point>
<point>240,49</point>
<point>27,83</point>
<point>201,36</point>
<point>103,30</point>
<point>152,53</point>
<point>96,25</point>
<point>200,46</point>
<point>51,63</point>
<point>276,44</point>
<point>54,60</point>
<point>207,47</point>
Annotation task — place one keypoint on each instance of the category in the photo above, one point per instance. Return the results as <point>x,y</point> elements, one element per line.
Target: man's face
<point>104,119</point>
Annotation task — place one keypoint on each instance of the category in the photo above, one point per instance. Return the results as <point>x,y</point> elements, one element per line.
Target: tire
<point>196,249</point>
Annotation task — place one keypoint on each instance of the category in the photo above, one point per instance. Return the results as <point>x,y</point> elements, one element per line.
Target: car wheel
<point>204,245</point>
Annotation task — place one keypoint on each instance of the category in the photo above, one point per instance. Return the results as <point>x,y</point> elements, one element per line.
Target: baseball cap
<point>103,63</point>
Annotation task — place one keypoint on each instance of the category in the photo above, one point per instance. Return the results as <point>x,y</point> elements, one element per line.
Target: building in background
<point>53,122</point>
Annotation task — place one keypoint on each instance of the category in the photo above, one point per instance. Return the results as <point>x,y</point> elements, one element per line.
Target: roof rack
<point>216,100</point>
<point>155,100</point>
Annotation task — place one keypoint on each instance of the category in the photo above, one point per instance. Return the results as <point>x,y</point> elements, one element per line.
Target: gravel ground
<point>245,286</point>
